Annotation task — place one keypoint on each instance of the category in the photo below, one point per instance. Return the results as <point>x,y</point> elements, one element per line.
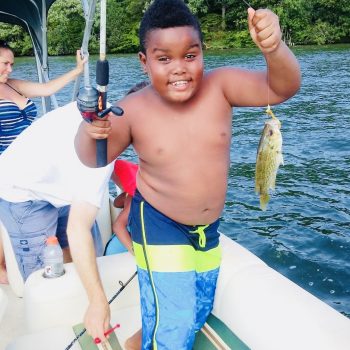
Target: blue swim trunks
<point>178,266</point>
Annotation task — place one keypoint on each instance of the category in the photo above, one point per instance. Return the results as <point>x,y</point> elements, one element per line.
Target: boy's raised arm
<point>283,68</point>
<point>280,81</point>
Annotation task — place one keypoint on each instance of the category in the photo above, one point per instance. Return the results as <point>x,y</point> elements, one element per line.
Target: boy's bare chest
<point>190,132</point>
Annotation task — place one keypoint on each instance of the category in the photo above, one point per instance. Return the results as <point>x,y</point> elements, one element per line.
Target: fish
<point>268,159</point>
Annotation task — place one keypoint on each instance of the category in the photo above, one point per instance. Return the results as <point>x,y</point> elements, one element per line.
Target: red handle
<point>98,340</point>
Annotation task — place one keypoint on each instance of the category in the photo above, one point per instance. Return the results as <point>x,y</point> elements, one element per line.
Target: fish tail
<point>264,199</point>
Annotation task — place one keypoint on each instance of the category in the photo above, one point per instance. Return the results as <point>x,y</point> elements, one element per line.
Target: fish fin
<point>264,199</point>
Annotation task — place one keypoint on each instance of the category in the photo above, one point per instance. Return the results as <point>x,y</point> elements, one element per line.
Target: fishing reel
<point>88,105</point>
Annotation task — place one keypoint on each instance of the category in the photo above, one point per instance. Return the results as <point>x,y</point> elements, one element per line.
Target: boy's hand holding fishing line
<point>264,29</point>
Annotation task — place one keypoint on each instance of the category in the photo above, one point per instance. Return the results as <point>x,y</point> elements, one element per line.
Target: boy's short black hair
<point>164,14</point>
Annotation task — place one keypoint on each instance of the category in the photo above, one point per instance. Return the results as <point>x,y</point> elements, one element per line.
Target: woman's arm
<point>33,89</point>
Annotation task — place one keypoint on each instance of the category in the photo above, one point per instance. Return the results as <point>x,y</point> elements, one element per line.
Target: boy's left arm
<point>283,68</point>
<point>279,82</point>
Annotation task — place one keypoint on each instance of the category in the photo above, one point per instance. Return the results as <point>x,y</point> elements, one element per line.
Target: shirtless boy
<point>180,127</point>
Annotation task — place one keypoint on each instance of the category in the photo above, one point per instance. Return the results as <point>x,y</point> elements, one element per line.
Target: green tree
<point>66,28</point>
<point>123,19</point>
<point>18,39</point>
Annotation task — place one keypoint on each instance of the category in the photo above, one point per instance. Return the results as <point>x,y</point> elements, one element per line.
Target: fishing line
<point>247,3</point>
<point>123,285</point>
<point>268,108</point>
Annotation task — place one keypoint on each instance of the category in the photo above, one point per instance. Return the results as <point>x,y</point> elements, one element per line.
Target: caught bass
<point>268,158</point>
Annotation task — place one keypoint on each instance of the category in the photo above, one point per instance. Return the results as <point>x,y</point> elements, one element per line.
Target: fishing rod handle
<point>101,153</point>
<point>102,73</point>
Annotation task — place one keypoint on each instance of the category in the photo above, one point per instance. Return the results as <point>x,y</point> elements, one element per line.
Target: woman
<point>17,110</point>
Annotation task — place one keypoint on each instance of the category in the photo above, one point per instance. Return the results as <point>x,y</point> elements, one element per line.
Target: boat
<point>255,307</point>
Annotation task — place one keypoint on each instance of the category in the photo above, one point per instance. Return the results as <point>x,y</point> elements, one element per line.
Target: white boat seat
<point>104,219</point>
<point>14,276</point>
<point>3,303</point>
<point>62,301</point>
<point>252,299</point>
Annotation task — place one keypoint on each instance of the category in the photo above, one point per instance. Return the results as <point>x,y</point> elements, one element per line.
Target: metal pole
<point>89,12</point>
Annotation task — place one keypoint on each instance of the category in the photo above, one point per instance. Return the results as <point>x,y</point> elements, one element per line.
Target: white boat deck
<point>12,324</point>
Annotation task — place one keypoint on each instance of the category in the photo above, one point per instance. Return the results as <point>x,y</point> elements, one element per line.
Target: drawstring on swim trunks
<point>202,237</point>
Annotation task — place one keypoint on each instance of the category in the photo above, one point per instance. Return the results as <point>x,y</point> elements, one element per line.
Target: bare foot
<point>134,342</point>
<point>3,275</point>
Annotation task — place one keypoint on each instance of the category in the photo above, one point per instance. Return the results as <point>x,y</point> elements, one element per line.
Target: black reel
<point>87,102</point>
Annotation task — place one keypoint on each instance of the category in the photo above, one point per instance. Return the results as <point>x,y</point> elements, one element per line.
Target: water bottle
<point>53,258</point>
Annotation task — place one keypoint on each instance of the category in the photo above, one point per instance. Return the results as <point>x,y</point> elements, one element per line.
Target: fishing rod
<point>92,102</point>
<point>123,285</point>
<point>247,3</point>
<point>102,80</point>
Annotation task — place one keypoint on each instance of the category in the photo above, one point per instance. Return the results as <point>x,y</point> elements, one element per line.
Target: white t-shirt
<point>41,164</point>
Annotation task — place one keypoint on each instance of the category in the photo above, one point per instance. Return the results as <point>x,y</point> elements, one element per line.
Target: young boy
<point>180,126</point>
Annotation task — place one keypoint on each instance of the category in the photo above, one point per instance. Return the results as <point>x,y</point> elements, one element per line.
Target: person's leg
<point>167,279</point>
<point>3,272</point>
<point>206,286</point>
<point>207,271</point>
<point>134,342</point>
<point>29,224</point>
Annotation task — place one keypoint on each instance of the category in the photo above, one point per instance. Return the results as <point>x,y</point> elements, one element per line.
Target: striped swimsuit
<point>14,120</point>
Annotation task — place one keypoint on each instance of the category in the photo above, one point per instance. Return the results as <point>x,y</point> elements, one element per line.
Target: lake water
<point>305,232</point>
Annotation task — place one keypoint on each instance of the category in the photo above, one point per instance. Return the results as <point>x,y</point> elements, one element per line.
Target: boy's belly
<point>190,200</point>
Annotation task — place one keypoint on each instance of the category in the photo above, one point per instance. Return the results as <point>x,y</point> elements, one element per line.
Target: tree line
<point>224,24</point>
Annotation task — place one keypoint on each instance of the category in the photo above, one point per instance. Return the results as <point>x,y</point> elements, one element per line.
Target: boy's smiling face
<point>174,62</point>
